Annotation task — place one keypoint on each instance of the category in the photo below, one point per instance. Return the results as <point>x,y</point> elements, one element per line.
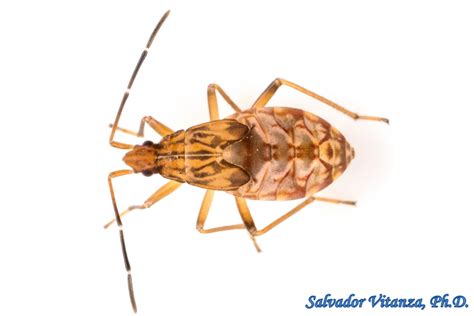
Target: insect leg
<point>122,239</point>
<point>248,220</point>
<point>157,126</point>
<point>277,83</point>
<point>336,201</point>
<point>212,101</point>
<point>130,84</point>
<point>249,223</point>
<point>204,211</point>
<point>162,192</point>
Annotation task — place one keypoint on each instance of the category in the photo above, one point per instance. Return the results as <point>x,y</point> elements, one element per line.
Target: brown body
<point>262,154</point>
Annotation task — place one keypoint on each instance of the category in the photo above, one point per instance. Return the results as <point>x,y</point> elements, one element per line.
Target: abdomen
<point>288,153</point>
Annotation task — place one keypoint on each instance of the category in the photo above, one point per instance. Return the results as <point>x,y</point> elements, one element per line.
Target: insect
<point>262,153</point>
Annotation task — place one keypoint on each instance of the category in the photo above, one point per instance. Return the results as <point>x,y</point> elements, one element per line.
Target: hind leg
<point>277,83</point>
<point>250,224</point>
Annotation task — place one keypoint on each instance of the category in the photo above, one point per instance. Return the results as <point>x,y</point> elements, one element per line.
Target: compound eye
<point>148,143</point>
<point>147,173</point>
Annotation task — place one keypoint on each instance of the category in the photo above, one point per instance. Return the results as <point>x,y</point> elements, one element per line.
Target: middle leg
<point>212,101</point>
<point>204,211</point>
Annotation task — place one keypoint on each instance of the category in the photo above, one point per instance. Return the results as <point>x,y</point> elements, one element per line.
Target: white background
<point>63,69</point>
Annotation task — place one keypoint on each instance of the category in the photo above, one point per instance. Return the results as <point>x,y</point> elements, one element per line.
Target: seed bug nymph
<point>262,153</point>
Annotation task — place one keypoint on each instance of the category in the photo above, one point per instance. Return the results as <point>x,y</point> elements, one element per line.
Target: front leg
<point>157,126</point>
<point>162,192</point>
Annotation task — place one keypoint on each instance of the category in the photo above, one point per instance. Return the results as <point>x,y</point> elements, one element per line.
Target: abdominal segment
<point>288,153</point>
